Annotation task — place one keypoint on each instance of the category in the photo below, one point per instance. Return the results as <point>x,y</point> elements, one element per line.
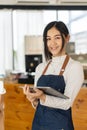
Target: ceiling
<point>43,2</point>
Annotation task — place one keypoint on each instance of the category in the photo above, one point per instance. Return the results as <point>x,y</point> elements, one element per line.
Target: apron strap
<point>46,67</point>
<point>64,65</point>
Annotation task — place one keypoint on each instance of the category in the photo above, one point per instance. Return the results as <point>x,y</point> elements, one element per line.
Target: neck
<point>60,54</point>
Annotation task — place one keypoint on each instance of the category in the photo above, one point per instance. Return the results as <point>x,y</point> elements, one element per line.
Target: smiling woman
<point>55,37</point>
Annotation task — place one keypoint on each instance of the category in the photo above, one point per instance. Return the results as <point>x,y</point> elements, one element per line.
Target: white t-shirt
<point>73,76</point>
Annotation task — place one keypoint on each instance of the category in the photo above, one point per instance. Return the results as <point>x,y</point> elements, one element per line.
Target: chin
<point>55,54</point>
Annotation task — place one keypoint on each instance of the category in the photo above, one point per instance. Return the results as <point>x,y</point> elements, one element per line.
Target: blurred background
<point>21,29</point>
<point>21,49</point>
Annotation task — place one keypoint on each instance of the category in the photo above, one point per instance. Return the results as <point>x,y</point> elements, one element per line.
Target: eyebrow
<point>54,35</point>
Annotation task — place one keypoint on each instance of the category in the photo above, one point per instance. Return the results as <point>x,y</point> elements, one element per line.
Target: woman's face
<point>54,42</point>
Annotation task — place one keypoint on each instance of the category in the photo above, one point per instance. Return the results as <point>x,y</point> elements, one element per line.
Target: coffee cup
<point>2,89</point>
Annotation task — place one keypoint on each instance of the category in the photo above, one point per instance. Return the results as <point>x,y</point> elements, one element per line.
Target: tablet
<point>53,92</point>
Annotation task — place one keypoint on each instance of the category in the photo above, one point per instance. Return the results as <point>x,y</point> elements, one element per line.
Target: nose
<point>53,41</point>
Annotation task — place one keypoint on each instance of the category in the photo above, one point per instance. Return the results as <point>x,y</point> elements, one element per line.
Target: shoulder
<point>74,72</point>
<point>74,65</point>
<point>39,70</point>
<point>41,66</point>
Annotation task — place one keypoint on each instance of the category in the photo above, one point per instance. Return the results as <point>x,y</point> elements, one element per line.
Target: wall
<point>6,2</point>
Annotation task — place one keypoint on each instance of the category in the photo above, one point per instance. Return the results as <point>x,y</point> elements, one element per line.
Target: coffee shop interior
<point>21,49</point>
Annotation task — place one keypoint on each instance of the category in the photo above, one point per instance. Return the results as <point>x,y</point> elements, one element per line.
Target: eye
<point>48,38</point>
<point>57,37</point>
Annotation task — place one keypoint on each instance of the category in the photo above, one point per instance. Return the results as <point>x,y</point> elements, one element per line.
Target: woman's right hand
<point>34,101</point>
<point>36,95</point>
<point>26,90</point>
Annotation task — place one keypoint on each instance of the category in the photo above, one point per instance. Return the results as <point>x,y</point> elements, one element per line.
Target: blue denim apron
<point>47,118</point>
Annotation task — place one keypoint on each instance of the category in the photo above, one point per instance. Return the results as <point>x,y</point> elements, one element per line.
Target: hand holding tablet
<point>53,92</point>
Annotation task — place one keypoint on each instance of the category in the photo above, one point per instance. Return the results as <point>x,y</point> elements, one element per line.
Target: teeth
<point>54,48</point>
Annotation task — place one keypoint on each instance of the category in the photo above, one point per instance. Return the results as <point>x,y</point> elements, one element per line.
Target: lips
<point>54,48</point>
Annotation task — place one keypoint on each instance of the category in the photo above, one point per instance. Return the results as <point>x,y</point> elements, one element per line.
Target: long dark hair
<point>61,27</point>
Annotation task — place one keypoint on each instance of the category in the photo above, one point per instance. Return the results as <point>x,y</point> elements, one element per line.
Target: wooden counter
<point>19,112</point>
<point>80,110</point>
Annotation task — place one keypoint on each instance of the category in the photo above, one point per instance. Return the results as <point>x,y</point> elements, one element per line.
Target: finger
<point>30,98</point>
<point>25,89</point>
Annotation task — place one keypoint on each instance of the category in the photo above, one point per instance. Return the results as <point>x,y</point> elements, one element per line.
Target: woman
<point>59,72</point>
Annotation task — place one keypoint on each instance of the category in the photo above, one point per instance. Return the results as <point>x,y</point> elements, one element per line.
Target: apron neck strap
<point>46,67</point>
<point>64,65</point>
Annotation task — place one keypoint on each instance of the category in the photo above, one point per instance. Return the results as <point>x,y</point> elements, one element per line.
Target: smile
<point>54,48</point>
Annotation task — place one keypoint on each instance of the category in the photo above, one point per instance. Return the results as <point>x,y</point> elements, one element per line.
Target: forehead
<point>53,31</point>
